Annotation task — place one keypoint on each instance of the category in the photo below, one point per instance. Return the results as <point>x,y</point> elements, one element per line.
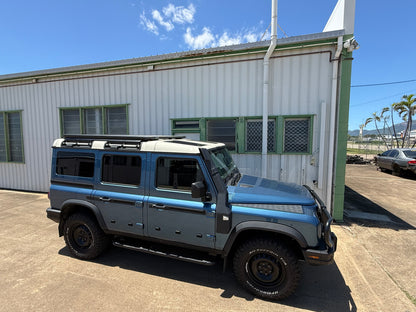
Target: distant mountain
<point>399,127</point>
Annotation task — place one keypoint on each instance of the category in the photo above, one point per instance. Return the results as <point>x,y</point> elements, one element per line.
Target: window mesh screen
<point>297,133</point>
<point>254,134</point>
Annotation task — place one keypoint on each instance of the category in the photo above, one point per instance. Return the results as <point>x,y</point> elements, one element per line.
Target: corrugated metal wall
<point>223,87</point>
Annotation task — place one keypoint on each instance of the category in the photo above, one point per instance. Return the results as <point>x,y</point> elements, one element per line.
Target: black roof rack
<point>116,139</point>
<point>110,141</point>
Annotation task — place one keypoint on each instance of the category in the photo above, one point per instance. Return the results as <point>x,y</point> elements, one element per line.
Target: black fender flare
<point>267,227</point>
<point>74,205</point>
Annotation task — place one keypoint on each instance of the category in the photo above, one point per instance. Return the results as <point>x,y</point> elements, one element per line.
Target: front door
<point>173,214</point>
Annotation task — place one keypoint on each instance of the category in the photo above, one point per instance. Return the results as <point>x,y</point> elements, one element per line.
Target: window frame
<point>245,137</point>
<point>6,134</point>
<point>104,115</point>
<point>310,134</point>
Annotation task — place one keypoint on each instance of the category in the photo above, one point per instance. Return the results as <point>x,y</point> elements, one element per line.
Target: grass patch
<point>360,151</point>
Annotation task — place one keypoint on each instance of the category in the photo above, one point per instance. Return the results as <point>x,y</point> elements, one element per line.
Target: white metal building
<point>214,94</point>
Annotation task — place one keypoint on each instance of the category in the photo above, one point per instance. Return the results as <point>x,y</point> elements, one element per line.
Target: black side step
<point>164,254</point>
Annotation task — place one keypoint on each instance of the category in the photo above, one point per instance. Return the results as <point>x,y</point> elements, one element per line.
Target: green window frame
<point>107,119</point>
<point>244,134</point>
<point>11,137</point>
<point>297,134</point>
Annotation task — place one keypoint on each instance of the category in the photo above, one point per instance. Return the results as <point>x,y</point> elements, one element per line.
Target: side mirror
<point>198,190</point>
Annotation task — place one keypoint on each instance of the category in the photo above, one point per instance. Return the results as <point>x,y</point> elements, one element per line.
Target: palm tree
<point>377,118</point>
<point>406,109</point>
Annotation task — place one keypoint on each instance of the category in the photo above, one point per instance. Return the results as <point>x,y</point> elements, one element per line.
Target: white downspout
<point>265,119</point>
<point>334,98</point>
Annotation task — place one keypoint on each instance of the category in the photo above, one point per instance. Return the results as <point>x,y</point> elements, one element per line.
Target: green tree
<point>406,109</point>
<point>377,118</point>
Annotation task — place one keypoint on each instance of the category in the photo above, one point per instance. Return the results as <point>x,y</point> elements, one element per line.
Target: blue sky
<point>36,35</point>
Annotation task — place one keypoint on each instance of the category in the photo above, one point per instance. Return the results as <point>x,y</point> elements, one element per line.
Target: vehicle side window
<point>177,174</point>
<point>394,154</point>
<point>75,164</point>
<point>386,153</point>
<point>121,169</point>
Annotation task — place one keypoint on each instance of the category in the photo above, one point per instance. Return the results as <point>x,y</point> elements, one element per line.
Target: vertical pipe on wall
<point>332,126</point>
<point>322,144</point>
<point>266,66</point>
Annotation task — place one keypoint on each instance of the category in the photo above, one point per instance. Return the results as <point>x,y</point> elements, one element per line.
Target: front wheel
<point>267,269</point>
<point>84,237</point>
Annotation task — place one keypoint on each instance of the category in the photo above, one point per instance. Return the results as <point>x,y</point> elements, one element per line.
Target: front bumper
<point>323,255</point>
<point>53,214</point>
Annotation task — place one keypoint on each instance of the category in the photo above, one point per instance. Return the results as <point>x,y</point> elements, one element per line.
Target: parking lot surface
<point>370,273</point>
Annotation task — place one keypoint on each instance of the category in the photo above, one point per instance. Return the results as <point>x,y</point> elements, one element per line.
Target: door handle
<point>158,206</point>
<point>104,199</point>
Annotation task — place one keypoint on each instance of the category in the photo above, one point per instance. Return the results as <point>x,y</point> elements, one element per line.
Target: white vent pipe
<point>266,66</point>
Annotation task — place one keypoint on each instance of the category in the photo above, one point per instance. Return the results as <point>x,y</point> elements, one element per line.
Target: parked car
<point>398,161</point>
<point>186,200</point>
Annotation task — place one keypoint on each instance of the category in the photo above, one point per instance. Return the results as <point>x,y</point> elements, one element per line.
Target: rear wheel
<point>267,269</point>
<point>84,237</point>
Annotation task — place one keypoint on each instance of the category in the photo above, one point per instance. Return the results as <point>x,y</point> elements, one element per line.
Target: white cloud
<point>180,14</point>
<point>252,37</point>
<point>171,16</point>
<point>225,40</point>
<point>207,39</point>
<point>204,40</point>
<point>157,17</point>
<point>148,24</point>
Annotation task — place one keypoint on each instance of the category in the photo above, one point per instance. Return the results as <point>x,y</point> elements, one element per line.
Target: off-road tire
<point>84,237</point>
<point>266,268</point>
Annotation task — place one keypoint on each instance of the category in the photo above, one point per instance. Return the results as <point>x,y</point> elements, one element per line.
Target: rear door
<point>173,215</point>
<point>119,193</point>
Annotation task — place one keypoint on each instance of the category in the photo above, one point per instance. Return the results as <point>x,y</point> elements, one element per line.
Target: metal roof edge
<point>172,56</point>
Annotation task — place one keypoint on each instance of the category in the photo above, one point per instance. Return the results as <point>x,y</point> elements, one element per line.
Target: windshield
<point>224,163</point>
<point>410,154</point>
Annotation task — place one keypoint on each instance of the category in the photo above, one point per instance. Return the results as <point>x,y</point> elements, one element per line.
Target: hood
<point>255,190</point>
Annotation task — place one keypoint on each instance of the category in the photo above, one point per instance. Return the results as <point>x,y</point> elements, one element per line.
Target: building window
<point>95,120</point>
<point>121,169</point>
<point>222,130</point>
<point>297,133</point>
<point>254,135</point>
<point>285,134</point>
<point>11,140</point>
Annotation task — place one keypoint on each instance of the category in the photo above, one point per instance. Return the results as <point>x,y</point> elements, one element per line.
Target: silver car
<point>398,161</point>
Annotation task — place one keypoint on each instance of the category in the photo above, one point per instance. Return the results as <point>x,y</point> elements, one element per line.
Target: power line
<point>381,99</point>
<point>382,84</point>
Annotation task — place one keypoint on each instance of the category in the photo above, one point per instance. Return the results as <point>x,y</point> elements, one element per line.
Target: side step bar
<point>164,254</point>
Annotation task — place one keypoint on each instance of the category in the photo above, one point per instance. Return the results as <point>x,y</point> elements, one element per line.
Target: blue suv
<point>186,200</point>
